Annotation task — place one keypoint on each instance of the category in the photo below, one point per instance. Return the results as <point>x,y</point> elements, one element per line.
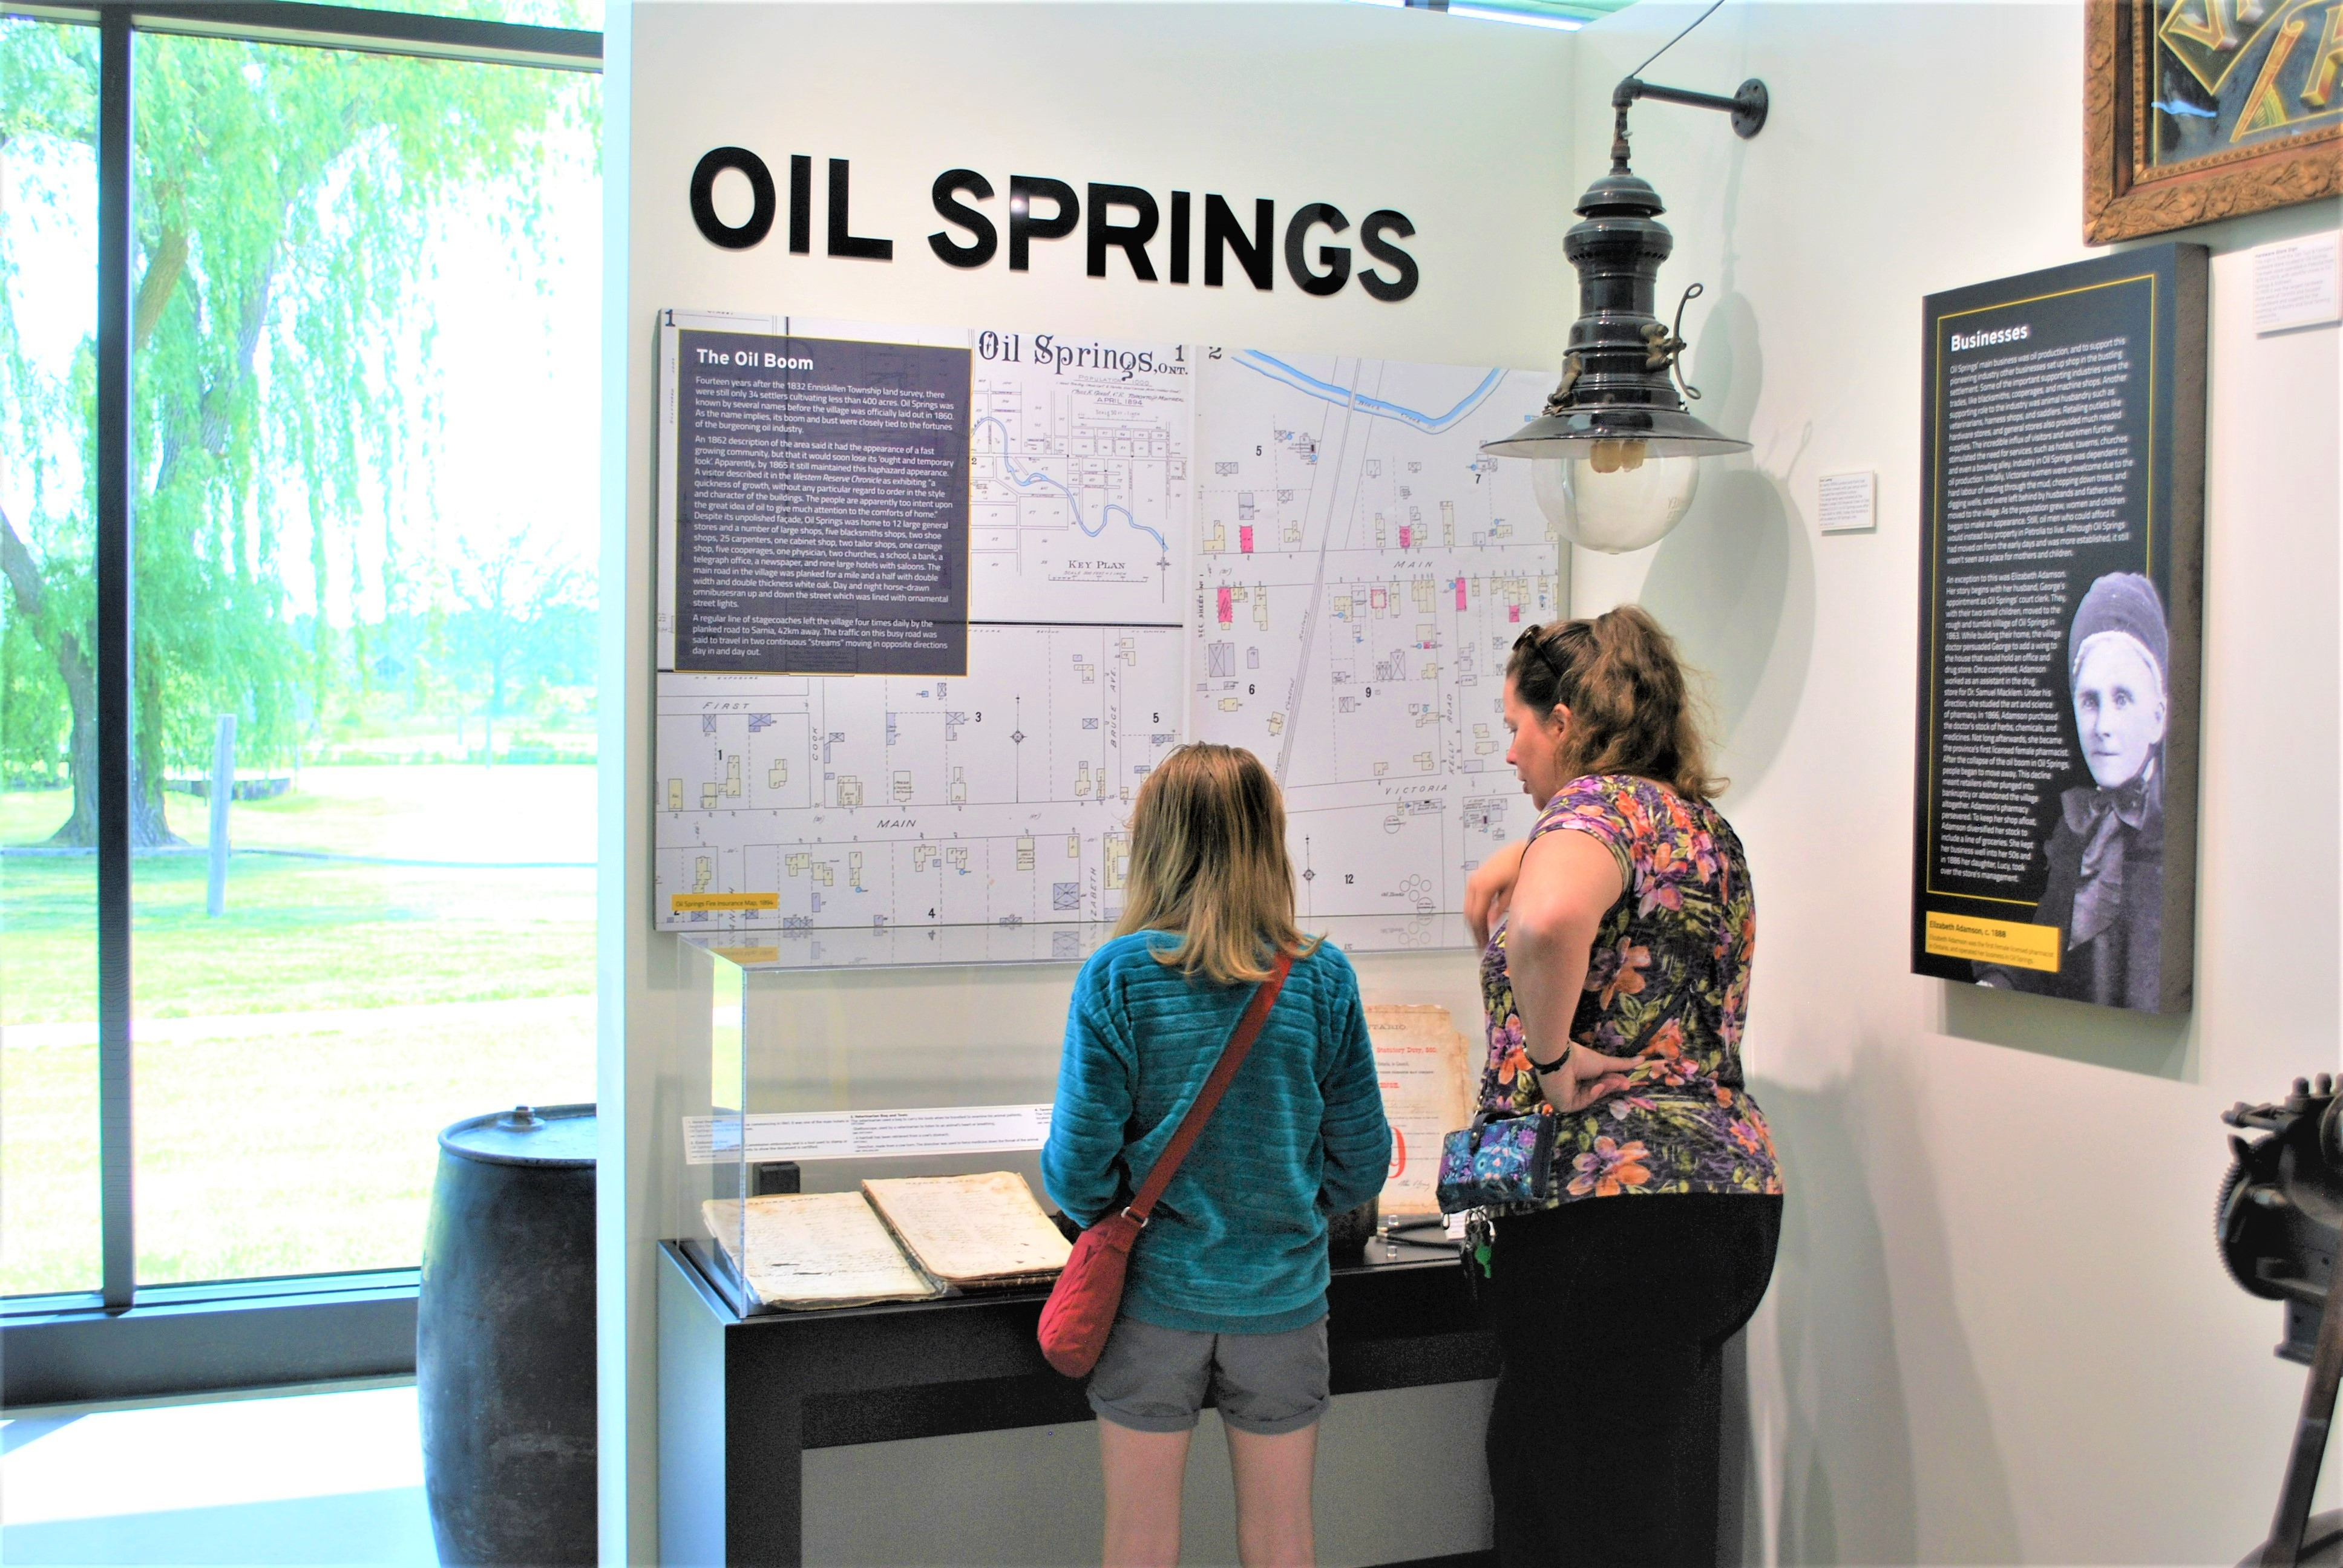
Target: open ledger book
<point>814,1249</point>
<point>983,1229</point>
<point>902,1240</point>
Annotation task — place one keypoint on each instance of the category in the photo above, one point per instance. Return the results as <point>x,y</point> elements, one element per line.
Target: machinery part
<point>2231,1219</point>
<point>2279,1226</point>
<point>2322,1545</point>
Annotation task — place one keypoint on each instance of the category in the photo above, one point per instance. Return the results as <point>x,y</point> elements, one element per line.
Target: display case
<point>823,1079</point>
<point>831,1064</point>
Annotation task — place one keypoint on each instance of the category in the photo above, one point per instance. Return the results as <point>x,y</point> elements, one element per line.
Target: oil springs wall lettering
<point>1123,230</point>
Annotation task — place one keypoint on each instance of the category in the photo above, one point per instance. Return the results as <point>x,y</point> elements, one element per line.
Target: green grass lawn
<point>264,1149</point>
<point>268,1153</point>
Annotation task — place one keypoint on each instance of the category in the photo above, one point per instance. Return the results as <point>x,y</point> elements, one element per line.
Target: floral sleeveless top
<point>1668,983</point>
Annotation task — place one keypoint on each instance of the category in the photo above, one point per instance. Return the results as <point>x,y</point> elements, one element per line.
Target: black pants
<point>1612,1313</point>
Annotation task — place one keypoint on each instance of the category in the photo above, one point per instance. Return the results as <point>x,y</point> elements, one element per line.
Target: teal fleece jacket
<point>1238,1243</point>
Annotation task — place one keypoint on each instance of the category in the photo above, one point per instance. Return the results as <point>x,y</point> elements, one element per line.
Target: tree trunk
<point>24,575</point>
<point>81,697</point>
<point>496,702</point>
<point>149,824</point>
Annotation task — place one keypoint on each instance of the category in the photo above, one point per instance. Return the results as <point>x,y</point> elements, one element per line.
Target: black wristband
<point>1557,1065</point>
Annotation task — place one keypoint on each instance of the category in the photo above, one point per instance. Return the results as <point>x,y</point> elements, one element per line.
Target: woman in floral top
<point>1617,980</point>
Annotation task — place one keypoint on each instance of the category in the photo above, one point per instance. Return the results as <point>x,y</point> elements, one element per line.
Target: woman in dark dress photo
<point>2105,887</point>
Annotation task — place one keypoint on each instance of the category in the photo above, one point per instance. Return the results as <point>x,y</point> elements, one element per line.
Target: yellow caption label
<point>747,956</point>
<point>691,903</point>
<point>2030,947</point>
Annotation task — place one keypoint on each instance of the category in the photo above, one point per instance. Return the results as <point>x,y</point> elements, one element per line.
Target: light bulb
<point>1617,497</point>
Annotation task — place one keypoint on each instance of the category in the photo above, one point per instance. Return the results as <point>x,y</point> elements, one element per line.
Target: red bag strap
<point>1192,1125</point>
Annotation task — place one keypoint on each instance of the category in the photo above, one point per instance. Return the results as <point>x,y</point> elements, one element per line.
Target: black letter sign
<point>1132,237</point>
<point>843,241</point>
<point>951,209</point>
<point>1371,235</point>
<point>1335,257</point>
<point>703,197</point>
<point>1024,228</point>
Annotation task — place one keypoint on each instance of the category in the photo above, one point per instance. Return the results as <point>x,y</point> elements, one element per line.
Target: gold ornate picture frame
<point>2196,110</point>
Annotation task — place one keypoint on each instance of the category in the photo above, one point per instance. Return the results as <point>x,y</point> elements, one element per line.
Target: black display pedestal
<point>741,1400</point>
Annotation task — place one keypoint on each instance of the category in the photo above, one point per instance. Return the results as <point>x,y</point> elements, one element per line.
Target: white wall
<point>1459,125</point>
<point>1999,1331</point>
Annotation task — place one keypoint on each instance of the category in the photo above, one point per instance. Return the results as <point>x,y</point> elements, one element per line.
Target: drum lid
<point>548,1135</point>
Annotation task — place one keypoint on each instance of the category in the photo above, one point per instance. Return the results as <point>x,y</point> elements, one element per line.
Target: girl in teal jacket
<point>1227,1286</point>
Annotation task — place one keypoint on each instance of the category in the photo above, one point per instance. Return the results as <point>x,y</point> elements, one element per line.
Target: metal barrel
<point>504,1340</point>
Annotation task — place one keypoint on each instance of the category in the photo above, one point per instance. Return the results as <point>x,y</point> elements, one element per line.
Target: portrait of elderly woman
<point>2106,853</point>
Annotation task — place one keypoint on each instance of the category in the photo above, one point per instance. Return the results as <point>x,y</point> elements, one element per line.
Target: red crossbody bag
<point>1081,1308</point>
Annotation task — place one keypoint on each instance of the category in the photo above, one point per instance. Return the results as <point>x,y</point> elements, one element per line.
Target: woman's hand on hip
<point>1586,1077</point>
<point>1488,891</point>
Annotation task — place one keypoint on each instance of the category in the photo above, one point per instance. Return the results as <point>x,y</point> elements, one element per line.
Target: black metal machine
<point>2279,1224</point>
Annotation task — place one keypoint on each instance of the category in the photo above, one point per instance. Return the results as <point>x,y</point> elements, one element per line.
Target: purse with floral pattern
<point>1503,1159</point>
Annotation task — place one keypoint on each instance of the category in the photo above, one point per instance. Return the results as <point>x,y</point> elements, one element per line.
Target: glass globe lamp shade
<point>1614,496</point>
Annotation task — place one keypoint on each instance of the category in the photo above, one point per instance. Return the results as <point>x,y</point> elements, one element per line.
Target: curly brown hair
<point>1633,704</point>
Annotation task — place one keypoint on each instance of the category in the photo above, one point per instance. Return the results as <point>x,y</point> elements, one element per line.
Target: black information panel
<point>821,491</point>
<point>2054,843</point>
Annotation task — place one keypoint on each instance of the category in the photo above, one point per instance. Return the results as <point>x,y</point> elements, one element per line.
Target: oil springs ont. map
<point>1307,556</point>
<point>1361,571</point>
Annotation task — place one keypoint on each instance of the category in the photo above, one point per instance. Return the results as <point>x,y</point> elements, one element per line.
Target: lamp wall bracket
<point>1748,108</point>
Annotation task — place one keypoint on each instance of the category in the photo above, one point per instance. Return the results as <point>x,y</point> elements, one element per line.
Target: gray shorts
<point>1154,1378</point>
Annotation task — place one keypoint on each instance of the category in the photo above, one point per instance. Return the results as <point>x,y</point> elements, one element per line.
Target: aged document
<point>1421,1063</point>
<point>982,1230</point>
<point>814,1249</point>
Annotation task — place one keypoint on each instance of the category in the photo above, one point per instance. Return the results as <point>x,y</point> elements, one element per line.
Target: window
<point>362,319</point>
<point>364,405</point>
<point>48,877</point>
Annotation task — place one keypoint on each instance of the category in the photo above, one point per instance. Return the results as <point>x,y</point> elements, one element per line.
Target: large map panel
<point>795,804</point>
<point>1361,571</point>
<point>1307,556</point>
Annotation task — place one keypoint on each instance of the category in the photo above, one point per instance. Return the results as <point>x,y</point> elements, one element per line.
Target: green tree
<point>283,198</point>
<point>48,81</point>
<point>514,594</point>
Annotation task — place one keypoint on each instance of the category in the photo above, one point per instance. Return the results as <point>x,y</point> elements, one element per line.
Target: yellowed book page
<point>1425,1068</point>
<point>814,1249</point>
<point>982,1229</point>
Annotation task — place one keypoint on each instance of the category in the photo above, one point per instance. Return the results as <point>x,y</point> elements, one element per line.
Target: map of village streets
<point>1361,572</point>
<point>1078,496</point>
<point>1306,556</point>
<point>903,800</point>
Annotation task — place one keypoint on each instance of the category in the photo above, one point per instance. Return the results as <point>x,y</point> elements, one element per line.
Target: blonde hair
<point>1208,862</point>
<point>1634,708</point>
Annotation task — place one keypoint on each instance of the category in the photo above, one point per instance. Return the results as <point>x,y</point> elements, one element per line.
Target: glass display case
<point>822,1077</point>
<point>833,1059</point>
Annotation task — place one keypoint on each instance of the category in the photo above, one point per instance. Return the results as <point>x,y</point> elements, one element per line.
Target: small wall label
<point>1847,503</point>
<point>2298,284</point>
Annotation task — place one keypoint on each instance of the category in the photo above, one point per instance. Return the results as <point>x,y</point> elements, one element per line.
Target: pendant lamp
<point>1616,454</point>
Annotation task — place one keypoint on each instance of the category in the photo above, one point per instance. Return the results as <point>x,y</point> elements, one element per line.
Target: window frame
<point>122,1341</point>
